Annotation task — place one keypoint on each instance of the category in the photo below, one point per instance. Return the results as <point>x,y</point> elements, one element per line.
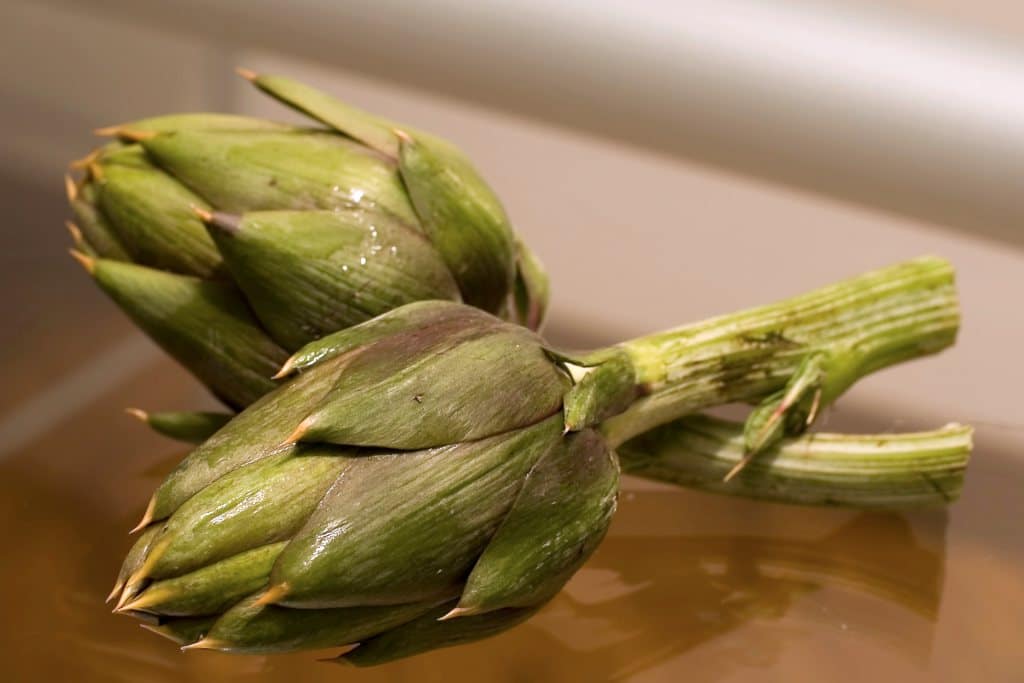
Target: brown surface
<point>686,583</point>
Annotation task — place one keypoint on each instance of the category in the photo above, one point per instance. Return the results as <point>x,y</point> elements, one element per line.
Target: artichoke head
<point>413,484</point>
<point>234,241</point>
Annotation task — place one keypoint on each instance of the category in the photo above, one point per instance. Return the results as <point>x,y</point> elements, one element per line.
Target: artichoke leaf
<point>427,633</point>
<point>255,505</point>
<point>205,326</point>
<point>555,524</point>
<point>271,170</point>
<point>462,217</point>
<point>212,589</point>
<point>373,131</point>
<point>253,434</point>
<point>252,628</point>
<point>152,215</point>
<point>409,392</point>
<point>402,527</point>
<point>310,273</point>
<point>414,317</point>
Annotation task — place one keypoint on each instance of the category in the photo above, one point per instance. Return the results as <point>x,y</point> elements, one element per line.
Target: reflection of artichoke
<point>384,487</point>
<point>234,241</point>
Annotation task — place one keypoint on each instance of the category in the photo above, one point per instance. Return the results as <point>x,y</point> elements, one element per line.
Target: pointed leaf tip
<point>86,261</point>
<point>299,432</point>
<point>83,163</point>
<point>338,658</point>
<point>272,595</point>
<point>202,214</point>
<point>108,131</point>
<point>76,233</point>
<point>138,413</point>
<point>738,467</point>
<point>342,659</point>
<point>286,369</point>
<point>227,223</point>
<point>156,551</point>
<point>70,187</point>
<point>458,612</point>
<point>116,591</point>
<point>204,644</point>
<point>126,595</point>
<point>147,516</point>
<point>136,135</point>
<point>129,607</point>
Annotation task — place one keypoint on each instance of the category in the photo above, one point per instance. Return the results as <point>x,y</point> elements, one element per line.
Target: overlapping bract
<point>388,485</point>
<point>235,241</point>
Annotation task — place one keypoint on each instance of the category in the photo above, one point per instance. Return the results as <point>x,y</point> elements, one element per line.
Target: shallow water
<point>686,585</point>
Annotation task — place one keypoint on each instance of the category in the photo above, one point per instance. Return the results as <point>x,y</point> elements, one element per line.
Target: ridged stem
<point>859,325</point>
<point>865,471</point>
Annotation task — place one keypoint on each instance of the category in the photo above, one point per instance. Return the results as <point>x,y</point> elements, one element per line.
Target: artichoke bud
<point>309,273</point>
<point>388,480</point>
<point>316,229</point>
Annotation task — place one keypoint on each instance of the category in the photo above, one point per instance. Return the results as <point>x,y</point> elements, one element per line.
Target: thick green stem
<point>855,327</point>
<point>866,471</point>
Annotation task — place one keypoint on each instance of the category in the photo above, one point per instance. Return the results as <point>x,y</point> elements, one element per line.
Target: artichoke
<point>385,487</point>
<point>234,241</point>
<point>436,474</point>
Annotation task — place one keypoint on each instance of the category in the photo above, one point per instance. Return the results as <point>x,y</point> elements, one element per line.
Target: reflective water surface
<point>686,585</point>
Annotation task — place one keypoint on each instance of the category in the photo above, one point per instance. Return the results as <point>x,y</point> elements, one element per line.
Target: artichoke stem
<point>853,327</point>
<point>878,471</point>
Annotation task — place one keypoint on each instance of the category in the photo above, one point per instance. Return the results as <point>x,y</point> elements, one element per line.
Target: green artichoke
<point>436,474</point>
<point>386,486</point>
<point>234,241</point>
